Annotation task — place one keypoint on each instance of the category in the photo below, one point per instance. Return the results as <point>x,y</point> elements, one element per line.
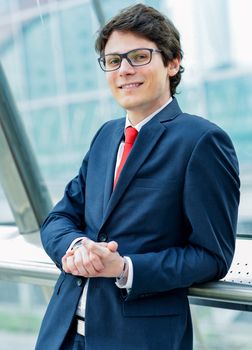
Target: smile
<point>130,86</point>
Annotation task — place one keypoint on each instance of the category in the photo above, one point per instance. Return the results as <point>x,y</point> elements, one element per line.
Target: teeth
<point>127,86</point>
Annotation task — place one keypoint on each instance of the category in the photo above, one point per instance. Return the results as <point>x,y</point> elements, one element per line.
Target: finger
<point>79,263</point>
<point>112,246</point>
<point>85,241</point>
<point>64,264</point>
<point>103,244</point>
<point>97,249</point>
<point>96,262</point>
<point>66,255</point>
<point>70,264</point>
<point>89,264</point>
<point>70,252</point>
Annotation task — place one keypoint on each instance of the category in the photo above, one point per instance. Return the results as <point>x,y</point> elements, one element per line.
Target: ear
<point>173,67</point>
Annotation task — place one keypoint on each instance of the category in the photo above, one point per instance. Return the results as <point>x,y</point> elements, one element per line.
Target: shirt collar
<point>147,119</point>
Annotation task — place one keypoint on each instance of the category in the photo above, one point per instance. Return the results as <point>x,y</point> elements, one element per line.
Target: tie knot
<point>130,135</point>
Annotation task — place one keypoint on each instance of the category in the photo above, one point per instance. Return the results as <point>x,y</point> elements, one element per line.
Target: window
<point>47,53</point>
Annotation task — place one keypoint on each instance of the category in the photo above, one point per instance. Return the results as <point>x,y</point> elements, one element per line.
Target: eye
<point>112,61</point>
<point>139,56</point>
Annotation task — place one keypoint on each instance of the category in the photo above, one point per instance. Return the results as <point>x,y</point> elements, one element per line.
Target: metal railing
<point>28,263</point>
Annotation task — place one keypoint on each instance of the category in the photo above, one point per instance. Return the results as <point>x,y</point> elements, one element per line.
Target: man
<point>153,208</point>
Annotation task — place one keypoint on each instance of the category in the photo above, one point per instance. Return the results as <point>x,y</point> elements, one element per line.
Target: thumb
<point>112,246</point>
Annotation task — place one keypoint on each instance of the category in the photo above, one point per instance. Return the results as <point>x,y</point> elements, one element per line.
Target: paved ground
<point>14,341</point>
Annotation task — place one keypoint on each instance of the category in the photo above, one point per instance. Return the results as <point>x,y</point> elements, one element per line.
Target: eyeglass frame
<point>125,55</point>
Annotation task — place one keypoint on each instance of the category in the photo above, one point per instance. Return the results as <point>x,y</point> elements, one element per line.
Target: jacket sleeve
<point>210,205</point>
<point>66,221</point>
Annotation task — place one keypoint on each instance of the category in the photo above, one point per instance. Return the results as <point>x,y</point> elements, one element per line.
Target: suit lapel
<point>146,140</point>
<point>116,139</point>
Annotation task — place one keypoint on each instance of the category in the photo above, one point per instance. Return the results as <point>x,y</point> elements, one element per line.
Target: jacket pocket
<point>152,184</point>
<point>159,305</point>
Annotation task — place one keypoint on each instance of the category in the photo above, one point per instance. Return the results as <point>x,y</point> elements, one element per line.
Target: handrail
<point>46,273</point>
<point>223,291</point>
<point>28,263</point>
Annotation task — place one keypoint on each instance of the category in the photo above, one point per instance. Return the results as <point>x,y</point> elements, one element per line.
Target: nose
<point>126,67</point>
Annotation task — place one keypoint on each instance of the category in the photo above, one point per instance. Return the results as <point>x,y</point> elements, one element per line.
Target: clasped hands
<point>93,259</point>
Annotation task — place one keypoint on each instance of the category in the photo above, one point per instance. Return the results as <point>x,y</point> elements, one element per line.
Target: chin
<point>129,104</point>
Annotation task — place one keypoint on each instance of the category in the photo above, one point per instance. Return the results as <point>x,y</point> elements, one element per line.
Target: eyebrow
<point>118,53</point>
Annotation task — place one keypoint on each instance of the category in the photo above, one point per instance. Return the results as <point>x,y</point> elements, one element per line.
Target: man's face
<point>140,90</point>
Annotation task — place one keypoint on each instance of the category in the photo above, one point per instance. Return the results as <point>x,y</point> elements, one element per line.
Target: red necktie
<point>130,136</point>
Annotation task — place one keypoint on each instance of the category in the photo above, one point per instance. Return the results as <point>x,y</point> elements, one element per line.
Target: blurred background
<point>47,52</point>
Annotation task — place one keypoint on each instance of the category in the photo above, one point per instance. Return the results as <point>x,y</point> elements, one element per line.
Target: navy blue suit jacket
<point>173,212</point>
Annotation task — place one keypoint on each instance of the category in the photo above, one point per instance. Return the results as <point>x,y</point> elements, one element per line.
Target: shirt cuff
<point>128,284</point>
<point>76,240</point>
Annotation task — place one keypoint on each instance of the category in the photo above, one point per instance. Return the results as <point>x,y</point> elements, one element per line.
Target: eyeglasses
<point>137,57</point>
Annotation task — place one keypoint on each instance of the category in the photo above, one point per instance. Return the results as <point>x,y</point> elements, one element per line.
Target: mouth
<point>130,85</point>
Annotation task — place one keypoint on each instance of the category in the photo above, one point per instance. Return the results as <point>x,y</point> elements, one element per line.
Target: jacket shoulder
<point>198,122</point>
<point>196,126</point>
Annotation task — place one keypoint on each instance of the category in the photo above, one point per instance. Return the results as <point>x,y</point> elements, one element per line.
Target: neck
<point>136,117</point>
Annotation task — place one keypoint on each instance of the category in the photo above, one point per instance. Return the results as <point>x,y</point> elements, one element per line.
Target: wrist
<point>121,266</point>
<point>77,245</point>
<point>123,276</point>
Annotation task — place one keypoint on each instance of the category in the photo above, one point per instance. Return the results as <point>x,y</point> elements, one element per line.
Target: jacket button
<point>102,237</point>
<point>79,282</point>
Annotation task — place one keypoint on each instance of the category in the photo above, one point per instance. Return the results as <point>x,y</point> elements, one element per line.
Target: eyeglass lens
<point>135,57</point>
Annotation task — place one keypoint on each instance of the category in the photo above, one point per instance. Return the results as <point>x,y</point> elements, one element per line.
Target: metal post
<point>20,176</point>
<point>99,12</point>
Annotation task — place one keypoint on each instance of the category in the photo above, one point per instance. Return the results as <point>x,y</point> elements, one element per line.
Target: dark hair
<point>149,23</point>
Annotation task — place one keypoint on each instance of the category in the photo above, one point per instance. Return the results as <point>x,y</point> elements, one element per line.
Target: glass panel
<point>21,310</point>
<point>217,82</point>
<point>216,329</point>
<point>53,73</point>
<point>6,216</point>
